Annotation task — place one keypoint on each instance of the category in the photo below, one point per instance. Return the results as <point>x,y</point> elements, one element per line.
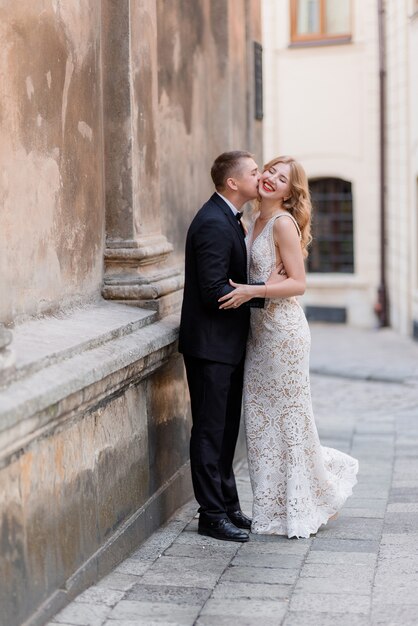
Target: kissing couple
<point>245,341</point>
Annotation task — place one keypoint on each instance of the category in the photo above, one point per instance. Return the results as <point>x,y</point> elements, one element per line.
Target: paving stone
<point>208,551</point>
<point>140,622</point>
<point>330,603</point>
<point>352,528</point>
<point>166,593</point>
<point>157,611</point>
<point>403,615</point>
<point>365,503</point>
<point>186,572</point>
<point>403,494</point>
<point>219,620</point>
<point>256,591</point>
<point>278,561</point>
<point>403,507</point>
<point>100,595</point>
<point>116,580</point>
<point>362,513</point>
<point>133,566</point>
<point>155,546</point>
<point>271,539</point>
<point>246,608</point>
<point>260,575</point>
<point>345,545</point>
<point>337,585</point>
<point>407,542</point>
<point>290,546</point>
<point>350,558</point>
<point>192,538</point>
<point>401,523</point>
<point>311,618</point>
<point>394,595</point>
<point>338,571</point>
<point>83,614</point>
<point>393,563</point>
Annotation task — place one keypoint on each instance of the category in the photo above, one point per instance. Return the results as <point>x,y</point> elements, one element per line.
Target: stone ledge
<point>43,342</point>
<point>35,405</point>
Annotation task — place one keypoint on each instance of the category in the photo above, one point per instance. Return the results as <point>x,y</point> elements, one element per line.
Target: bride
<point>298,485</point>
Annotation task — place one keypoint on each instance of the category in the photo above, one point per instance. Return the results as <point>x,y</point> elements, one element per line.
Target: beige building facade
<point>321,90</point>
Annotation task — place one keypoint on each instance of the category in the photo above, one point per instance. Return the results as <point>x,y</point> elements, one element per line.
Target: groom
<point>213,343</point>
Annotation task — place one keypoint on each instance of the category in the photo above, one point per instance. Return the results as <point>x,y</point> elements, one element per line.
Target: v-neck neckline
<point>254,239</point>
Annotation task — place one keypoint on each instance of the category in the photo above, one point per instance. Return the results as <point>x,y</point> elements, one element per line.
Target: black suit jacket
<point>215,252</point>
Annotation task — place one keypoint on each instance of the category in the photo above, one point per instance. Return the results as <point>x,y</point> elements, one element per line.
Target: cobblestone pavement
<point>361,569</point>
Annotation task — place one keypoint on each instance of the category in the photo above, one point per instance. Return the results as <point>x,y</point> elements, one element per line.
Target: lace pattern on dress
<point>297,483</point>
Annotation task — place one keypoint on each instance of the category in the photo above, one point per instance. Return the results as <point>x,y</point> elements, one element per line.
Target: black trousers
<point>216,395</point>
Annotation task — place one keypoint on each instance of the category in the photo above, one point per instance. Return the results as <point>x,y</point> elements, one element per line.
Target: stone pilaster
<point>138,267</point>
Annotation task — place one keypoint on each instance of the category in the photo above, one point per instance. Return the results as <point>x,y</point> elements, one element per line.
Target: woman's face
<point>275,182</point>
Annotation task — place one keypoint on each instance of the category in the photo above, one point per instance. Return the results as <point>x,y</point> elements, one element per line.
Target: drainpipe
<point>382,306</point>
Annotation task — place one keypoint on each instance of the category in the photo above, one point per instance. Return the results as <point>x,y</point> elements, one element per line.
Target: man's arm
<point>212,249</point>
<point>212,246</point>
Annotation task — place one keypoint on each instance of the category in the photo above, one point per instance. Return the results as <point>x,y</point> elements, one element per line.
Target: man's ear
<point>231,183</point>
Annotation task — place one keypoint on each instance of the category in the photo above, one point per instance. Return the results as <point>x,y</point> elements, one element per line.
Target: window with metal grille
<point>332,248</point>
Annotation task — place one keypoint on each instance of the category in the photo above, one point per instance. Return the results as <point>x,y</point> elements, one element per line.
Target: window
<point>321,21</point>
<point>332,248</point>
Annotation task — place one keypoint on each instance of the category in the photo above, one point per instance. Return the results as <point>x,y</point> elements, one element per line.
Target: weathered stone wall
<point>206,99</point>
<point>51,183</point>
<point>111,113</point>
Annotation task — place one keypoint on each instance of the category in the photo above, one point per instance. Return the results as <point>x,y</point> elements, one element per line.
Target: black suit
<point>213,345</point>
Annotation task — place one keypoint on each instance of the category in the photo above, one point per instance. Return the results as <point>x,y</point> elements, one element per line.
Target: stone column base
<point>137,274</point>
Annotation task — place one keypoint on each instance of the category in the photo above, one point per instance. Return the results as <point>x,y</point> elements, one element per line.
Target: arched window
<point>332,248</point>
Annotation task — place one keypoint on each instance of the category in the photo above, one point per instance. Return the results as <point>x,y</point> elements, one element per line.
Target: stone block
<point>401,523</point>
<point>260,575</point>
<point>180,572</point>
<point>313,618</point>
<point>236,609</point>
<point>133,567</point>
<point>340,571</point>
<point>100,595</point>
<point>208,551</point>
<point>334,585</point>
<point>81,613</point>
<point>251,591</point>
<point>352,528</point>
<point>118,581</point>
<point>344,558</point>
<point>158,612</point>
<point>290,546</point>
<point>219,620</point>
<point>345,545</point>
<point>330,603</point>
<point>275,561</point>
<point>165,593</point>
<point>390,615</point>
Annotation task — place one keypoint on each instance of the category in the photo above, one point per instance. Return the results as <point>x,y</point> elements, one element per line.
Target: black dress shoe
<point>222,529</point>
<point>240,520</point>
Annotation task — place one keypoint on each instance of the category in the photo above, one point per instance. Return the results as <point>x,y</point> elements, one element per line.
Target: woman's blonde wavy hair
<point>299,203</point>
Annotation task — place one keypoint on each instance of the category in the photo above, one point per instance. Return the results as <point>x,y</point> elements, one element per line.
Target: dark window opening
<point>332,248</point>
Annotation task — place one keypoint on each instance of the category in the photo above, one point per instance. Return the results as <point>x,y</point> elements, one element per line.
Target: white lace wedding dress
<point>297,483</point>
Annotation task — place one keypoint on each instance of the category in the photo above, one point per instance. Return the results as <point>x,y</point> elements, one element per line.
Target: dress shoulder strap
<point>293,220</point>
